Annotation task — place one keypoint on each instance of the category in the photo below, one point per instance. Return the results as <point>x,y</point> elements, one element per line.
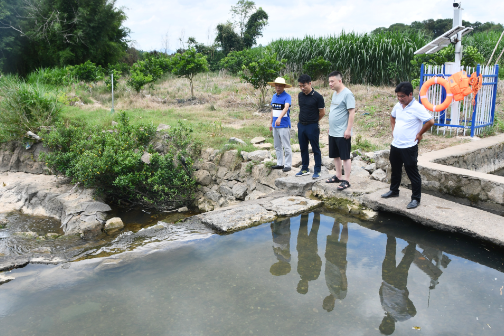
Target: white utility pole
<point>457,21</point>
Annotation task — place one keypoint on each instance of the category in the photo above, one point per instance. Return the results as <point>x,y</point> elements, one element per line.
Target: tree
<point>254,27</point>
<point>64,32</point>
<point>262,70</point>
<point>250,28</point>
<point>228,39</point>
<point>241,13</point>
<point>189,64</point>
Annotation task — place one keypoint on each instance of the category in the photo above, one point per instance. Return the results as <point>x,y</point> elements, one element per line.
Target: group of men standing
<point>409,120</point>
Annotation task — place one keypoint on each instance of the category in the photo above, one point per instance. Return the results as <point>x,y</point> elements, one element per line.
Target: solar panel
<point>443,40</point>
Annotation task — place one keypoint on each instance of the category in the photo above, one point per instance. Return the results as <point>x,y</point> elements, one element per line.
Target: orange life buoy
<point>427,85</point>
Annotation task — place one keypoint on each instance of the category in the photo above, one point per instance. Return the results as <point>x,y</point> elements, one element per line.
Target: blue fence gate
<point>461,117</point>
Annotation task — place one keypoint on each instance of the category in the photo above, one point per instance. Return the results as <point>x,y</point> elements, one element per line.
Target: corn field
<point>378,59</point>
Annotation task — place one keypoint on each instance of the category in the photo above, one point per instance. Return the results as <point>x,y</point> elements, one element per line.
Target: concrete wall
<point>484,160</point>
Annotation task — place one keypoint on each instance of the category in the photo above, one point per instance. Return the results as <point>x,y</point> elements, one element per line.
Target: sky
<point>154,21</point>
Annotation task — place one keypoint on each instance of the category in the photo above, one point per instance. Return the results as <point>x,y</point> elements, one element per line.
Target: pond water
<point>320,273</point>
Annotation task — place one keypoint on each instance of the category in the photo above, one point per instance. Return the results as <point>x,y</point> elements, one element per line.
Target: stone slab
<point>443,215</point>
<point>298,186</point>
<point>291,205</point>
<point>236,218</point>
<point>359,186</point>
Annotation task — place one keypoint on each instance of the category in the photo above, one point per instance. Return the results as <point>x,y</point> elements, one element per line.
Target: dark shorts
<point>340,147</point>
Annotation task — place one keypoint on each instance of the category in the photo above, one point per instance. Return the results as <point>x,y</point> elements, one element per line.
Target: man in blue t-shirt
<point>280,124</point>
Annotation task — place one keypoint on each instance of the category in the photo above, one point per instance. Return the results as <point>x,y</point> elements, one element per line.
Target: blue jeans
<point>310,133</point>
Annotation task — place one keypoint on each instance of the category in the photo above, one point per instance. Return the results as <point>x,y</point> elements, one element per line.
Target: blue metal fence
<point>463,116</point>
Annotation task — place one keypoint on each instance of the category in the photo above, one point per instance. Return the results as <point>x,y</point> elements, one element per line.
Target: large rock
<point>113,224</point>
<point>257,140</point>
<point>45,195</point>
<point>224,190</point>
<point>240,191</point>
<point>291,205</point>
<point>295,147</point>
<point>237,218</point>
<point>259,155</point>
<point>256,194</point>
<point>237,140</point>
<point>370,168</point>
<point>146,158</point>
<point>264,146</point>
<point>230,159</point>
<point>203,177</point>
<point>14,157</point>
<point>379,175</point>
<point>297,186</point>
<point>328,162</point>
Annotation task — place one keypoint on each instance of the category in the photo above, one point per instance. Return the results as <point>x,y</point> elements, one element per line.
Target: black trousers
<point>409,158</point>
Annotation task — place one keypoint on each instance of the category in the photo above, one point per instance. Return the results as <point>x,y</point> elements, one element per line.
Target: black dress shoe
<point>413,204</point>
<point>286,169</point>
<point>390,193</point>
<point>277,167</point>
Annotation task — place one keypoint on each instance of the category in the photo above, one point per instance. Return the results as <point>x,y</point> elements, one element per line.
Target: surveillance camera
<point>456,5</point>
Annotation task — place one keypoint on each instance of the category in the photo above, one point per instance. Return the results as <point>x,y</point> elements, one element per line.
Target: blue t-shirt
<point>278,104</point>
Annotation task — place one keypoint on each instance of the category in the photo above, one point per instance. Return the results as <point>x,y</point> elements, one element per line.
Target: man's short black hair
<point>335,74</point>
<point>303,79</point>
<point>404,87</point>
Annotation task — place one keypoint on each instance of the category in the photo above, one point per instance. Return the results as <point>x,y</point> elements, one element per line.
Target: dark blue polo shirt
<point>309,106</point>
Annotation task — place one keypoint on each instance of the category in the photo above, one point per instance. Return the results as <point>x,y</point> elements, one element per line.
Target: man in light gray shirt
<point>341,118</point>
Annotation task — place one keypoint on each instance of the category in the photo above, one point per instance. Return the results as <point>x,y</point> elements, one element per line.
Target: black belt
<point>308,123</point>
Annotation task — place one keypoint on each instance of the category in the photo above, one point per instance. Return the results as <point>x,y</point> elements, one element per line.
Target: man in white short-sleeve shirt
<point>409,120</point>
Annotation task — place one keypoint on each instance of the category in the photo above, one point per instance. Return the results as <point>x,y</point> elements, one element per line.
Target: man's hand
<point>347,134</point>
<point>277,122</point>
<point>418,138</point>
<point>271,128</point>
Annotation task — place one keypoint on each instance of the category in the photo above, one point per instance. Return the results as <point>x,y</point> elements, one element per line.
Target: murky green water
<point>315,274</point>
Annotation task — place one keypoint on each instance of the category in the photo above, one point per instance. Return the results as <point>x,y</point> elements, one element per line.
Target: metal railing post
<point>473,121</point>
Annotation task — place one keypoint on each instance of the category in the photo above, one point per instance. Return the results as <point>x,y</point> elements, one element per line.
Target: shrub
<point>25,107</point>
<point>51,76</point>
<point>108,79</point>
<point>318,68</point>
<point>110,161</point>
<point>87,72</point>
<point>235,61</point>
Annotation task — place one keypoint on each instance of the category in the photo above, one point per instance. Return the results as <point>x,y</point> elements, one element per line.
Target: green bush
<point>108,78</point>
<point>235,61</point>
<point>51,76</point>
<point>317,68</point>
<point>25,107</point>
<point>110,161</point>
<point>87,72</point>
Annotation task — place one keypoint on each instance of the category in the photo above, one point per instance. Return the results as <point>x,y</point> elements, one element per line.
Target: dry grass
<point>226,107</point>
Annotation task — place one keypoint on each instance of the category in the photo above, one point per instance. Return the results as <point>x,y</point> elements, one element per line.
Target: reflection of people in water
<point>309,262</point>
<point>335,266</point>
<point>281,247</point>
<point>393,291</point>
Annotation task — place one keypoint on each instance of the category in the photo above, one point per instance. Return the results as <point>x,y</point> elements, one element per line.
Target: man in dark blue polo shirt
<point>311,110</point>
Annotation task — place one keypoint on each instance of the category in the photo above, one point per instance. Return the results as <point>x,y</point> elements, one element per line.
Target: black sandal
<point>344,184</point>
<point>333,179</point>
